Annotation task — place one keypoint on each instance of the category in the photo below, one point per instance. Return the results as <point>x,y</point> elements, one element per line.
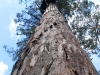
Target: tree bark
<point>53,50</point>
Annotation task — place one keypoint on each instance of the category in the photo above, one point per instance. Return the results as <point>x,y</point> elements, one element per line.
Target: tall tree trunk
<point>53,50</point>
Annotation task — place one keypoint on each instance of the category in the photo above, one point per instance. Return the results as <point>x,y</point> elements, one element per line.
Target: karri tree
<point>83,18</point>
<point>53,49</point>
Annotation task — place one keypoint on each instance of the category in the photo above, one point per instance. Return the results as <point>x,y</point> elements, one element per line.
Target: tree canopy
<point>83,18</point>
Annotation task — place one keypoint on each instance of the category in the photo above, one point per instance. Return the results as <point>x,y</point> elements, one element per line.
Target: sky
<point>8,10</point>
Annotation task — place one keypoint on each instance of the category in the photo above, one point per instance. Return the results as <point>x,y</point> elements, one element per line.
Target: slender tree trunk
<point>53,50</point>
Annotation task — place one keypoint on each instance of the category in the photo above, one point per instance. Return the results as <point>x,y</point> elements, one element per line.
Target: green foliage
<point>83,17</point>
<point>86,26</point>
<point>12,52</point>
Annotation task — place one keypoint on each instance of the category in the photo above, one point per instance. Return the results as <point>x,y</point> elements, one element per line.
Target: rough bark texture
<point>53,50</point>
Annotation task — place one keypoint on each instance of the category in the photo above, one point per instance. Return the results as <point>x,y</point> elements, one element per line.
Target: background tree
<point>83,18</point>
<point>86,26</point>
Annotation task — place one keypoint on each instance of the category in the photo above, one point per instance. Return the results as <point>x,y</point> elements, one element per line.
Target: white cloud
<point>12,1</point>
<point>96,1</point>
<point>12,29</point>
<point>9,1</point>
<point>3,68</point>
<point>16,1</point>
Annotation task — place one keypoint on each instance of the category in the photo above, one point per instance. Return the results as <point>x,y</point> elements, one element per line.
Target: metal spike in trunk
<point>53,50</point>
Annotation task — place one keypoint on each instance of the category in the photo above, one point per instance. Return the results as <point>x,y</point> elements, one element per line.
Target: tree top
<point>45,3</point>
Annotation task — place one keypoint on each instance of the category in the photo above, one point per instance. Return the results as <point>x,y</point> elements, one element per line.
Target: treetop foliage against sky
<point>83,18</point>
